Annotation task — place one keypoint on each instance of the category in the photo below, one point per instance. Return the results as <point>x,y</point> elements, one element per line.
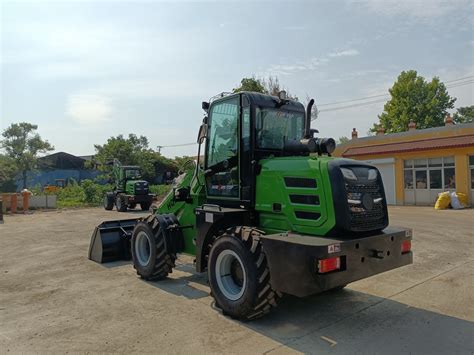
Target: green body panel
<point>130,186</point>
<point>271,189</point>
<point>184,211</point>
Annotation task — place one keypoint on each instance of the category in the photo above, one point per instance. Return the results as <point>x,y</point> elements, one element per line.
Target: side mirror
<point>205,106</point>
<point>202,132</point>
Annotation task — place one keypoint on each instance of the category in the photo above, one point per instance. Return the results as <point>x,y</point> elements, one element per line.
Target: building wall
<point>461,155</point>
<point>46,177</point>
<point>461,158</point>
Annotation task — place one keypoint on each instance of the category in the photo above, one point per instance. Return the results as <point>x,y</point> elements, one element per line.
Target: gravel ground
<point>53,299</point>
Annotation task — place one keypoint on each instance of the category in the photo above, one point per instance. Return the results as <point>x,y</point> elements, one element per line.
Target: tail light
<point>406,246</point>
<point>330,264</point>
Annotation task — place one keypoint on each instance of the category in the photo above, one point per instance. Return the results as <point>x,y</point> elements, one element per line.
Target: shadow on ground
<point>345,322</point>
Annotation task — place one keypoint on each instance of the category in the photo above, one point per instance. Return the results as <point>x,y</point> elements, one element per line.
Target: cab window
<point>222,149</point>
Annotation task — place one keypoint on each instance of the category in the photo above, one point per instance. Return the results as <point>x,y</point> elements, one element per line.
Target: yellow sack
<point>462,198</point>
<point>443,201</point>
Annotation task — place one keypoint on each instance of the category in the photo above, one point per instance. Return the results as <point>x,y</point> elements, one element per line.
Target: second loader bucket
<point>111,241</point>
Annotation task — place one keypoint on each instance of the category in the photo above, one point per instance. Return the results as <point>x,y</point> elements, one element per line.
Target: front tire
<point>121,202</point>
<point>149,254</point>
<point>239,276</point>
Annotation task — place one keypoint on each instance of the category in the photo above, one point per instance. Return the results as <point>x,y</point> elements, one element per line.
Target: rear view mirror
<point>202,132</point>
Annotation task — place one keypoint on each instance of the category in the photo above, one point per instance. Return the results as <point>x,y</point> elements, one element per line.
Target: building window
<point>433,173</point>
<point>408,179</point>
<point>421,179</point>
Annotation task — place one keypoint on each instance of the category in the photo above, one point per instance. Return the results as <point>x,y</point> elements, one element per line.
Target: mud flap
<point>111,241</point>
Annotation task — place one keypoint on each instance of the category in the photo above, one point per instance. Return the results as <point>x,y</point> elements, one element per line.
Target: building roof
<point>418,145</point>
<point>61,160</point>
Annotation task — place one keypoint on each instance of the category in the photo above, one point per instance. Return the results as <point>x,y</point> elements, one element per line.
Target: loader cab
<point>242,129</point>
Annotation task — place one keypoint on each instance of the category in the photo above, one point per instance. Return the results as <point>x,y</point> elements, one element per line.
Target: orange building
<point>418,164</point>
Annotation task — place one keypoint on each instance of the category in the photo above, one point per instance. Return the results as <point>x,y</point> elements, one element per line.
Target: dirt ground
<point>53,299</point>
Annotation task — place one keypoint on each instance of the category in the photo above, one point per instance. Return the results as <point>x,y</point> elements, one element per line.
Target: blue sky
<point>84,70</point>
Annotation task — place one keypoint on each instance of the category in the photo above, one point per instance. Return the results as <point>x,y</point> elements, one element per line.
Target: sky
<point>87,70</point>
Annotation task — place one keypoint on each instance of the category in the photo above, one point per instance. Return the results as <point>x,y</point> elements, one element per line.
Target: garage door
<point>387,169</point>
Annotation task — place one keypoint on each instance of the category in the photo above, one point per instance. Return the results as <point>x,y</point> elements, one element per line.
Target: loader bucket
<point>111,241</point>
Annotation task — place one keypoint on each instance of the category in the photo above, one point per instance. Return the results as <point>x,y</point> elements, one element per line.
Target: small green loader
<point>129,189</point>
<point>268,212</point>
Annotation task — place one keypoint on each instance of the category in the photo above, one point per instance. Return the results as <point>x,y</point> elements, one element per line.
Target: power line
<point>383,95</point>
<point>382,100</point>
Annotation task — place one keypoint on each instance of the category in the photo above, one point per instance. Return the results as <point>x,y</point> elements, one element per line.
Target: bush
<point>94,192</point>
<point>160,190</point>
<point>87,193</point>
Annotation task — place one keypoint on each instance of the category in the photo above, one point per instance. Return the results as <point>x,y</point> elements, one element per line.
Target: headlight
<point>348,174</point>
<point>372,174</point>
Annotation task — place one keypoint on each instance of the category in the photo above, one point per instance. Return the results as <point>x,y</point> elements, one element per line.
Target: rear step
<point>111,241</point>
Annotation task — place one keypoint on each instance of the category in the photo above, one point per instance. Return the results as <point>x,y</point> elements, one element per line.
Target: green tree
<point>269,86</point>
<point>251,84</point>
<point>414,98</point>
<point>7,174</point>
<point>464,114</point>
<point>133,150</point>
<point>343,140</point>
<point>23,145</point>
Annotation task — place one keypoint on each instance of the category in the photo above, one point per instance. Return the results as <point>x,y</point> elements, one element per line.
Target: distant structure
<point>58,169</point>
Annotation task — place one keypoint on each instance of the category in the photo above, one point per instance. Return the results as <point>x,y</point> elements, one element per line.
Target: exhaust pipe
<point>307,128</point>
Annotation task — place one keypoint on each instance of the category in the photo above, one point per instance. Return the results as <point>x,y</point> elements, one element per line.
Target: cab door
<point>222,152</point>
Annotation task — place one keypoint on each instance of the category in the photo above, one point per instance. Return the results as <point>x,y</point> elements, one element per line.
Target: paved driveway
<point>54,300</point>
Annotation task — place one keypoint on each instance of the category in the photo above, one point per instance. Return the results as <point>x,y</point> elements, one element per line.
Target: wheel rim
<point>143,248</point>
<point>230,275</point>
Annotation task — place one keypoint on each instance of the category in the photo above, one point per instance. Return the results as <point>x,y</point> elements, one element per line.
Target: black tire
<point>145,206</point>
<point>253,296</point>
<point>109,201</point>
<point>121,202</point>
<point>132,205</point>
<point>159,263</point>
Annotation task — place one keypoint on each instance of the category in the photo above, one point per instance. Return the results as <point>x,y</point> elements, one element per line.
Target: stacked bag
<point>456,200</point>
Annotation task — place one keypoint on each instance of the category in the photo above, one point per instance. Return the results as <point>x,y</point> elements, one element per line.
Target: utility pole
<point>159,148</point>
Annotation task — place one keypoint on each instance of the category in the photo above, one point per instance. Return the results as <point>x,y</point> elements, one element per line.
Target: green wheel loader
<point>129,190</point>
<point>268,212</point>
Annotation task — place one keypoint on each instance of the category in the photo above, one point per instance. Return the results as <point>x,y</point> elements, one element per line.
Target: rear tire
<point>149,254</point>
<point>121,202</point>
<point>239,276</point>
<point>109,201</point>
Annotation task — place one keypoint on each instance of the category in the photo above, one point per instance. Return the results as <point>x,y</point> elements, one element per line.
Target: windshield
<point>132,174</point>
<point>274,127</point>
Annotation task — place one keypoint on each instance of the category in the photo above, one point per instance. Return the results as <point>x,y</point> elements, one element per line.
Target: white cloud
<point>421,9</point>
<point>309,64</point>
<point>89,109</point>
<point>344,53</point>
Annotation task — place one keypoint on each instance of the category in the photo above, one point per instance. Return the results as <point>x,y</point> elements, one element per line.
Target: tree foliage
<point>269,86</point>
<point>414,98</point>
<point>8,171</point>
<point>23,145</point>
<point>133,150</point>
<point>343,140</point>
<point>251,84</point>
<point>272,86</point>
<point>464,114</point>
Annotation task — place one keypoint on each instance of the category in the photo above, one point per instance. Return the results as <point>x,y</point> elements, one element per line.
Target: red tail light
<point>327,265</point>
<point>406,246</point>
